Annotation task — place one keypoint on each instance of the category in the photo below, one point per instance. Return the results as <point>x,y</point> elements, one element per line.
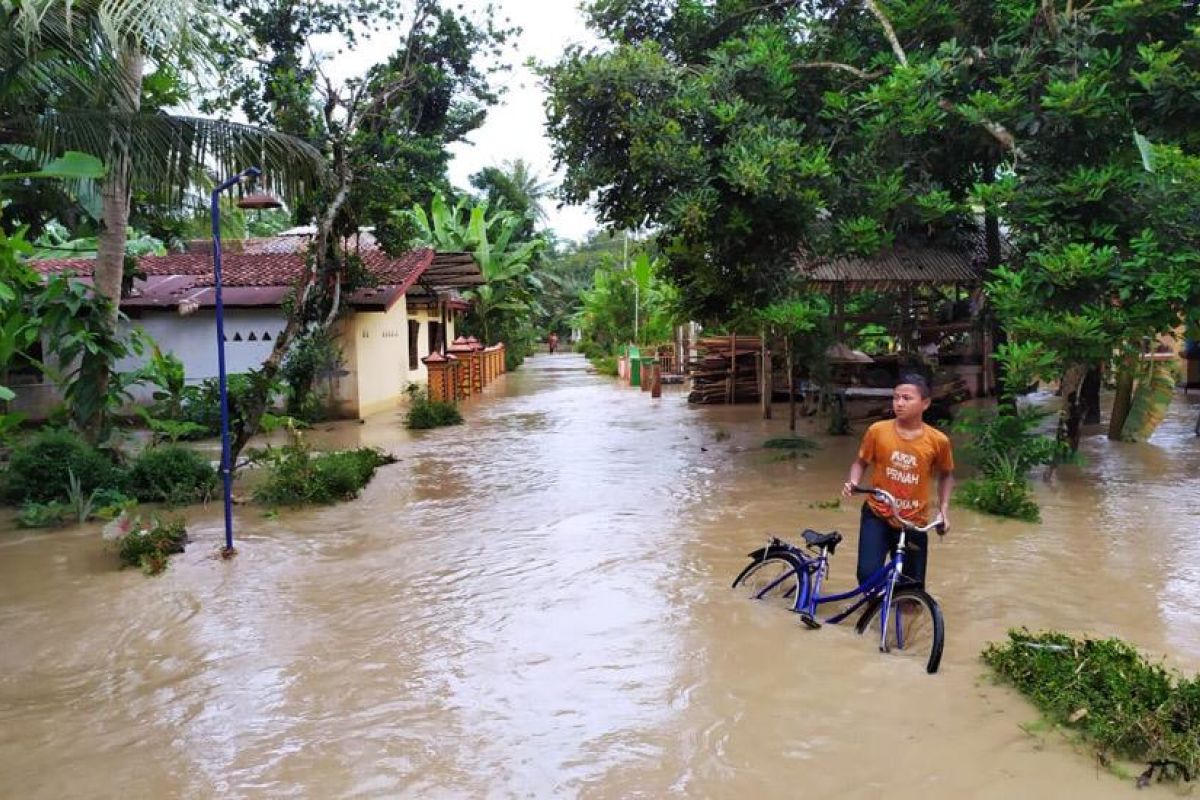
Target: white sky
<point>515,128</point>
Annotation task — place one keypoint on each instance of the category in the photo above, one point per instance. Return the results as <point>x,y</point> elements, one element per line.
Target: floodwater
<point>537,604</point>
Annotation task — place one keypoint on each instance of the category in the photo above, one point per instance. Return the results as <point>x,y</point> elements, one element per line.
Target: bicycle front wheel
<point>915,629</point>
<point>777,579</point>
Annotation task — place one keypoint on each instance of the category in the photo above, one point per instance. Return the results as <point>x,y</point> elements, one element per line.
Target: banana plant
<point>511,285</point>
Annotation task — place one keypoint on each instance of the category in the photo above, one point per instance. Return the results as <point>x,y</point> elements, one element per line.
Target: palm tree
<point>85,62</point>
<point>516,186</point>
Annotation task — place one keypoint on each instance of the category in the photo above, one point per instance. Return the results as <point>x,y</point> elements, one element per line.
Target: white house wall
<point>249,337</point>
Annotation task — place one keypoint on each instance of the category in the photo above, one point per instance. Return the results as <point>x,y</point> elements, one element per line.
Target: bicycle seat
<point>818,540</point>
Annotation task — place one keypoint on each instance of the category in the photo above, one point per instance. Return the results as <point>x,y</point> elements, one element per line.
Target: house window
<point>435,337</point>
<point>414,336</point>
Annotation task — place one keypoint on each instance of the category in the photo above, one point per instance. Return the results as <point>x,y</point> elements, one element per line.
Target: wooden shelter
<point>934,295</point>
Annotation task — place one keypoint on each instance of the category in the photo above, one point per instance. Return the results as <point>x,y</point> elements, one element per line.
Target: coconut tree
<point>85,66</point>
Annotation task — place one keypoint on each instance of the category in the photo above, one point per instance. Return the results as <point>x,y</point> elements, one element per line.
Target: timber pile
<point>726,370</point>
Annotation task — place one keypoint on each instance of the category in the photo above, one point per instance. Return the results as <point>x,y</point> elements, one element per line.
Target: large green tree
<point>385,135</point>
<point>741,131</point>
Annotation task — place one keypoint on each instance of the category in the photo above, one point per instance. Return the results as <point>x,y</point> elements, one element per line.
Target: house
<point>386,329</point>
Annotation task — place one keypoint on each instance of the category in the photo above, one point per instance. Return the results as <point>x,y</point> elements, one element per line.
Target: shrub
<point>201,405</point>
<point>1004,498</point>
<point>1123,704</point>
<point>146,548</point>
<point>43,515</point>
<point>298,477</point>
<point>605,365</point>
<point>1009,435</point>
<point>40,471</point>
<point>424,413</point>
<point>171,474</point>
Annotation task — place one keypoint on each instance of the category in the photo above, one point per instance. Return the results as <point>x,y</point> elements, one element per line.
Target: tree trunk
<point>1071,415</point>
<point>1089,395</point>
<point>1123,400</point>
<point>250,418</point>
<point>991,229</point>
<point>765,378</point>
<point>791,373</point>
<point>109,268</point>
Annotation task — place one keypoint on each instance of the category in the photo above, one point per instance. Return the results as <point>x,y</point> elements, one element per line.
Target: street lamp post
<point>226,465</point>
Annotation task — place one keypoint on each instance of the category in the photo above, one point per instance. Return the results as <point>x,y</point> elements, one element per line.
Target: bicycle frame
<point>881,581</point>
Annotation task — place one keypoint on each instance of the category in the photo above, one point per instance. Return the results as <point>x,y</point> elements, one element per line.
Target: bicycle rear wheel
<point>777,579</point>
<point>915,626</point>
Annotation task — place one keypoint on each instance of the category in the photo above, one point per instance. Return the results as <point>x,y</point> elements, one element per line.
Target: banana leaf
<point>1151,400</point>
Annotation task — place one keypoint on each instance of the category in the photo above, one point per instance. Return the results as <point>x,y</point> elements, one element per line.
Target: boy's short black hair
<point>913,379</point>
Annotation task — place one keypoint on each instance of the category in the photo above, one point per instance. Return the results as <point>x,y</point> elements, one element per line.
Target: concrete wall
<point>375,345</point>
<point>379,358</point>
<point>249,336</point>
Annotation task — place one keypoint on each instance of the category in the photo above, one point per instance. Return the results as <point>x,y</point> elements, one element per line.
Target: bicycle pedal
<point>808,620</point>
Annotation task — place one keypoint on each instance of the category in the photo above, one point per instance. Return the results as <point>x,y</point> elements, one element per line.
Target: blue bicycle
<point>909,619</point>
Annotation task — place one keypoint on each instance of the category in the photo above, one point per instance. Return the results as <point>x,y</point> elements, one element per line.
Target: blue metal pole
<point>226,466</point>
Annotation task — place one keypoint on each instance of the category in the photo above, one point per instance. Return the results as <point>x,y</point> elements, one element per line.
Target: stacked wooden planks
<point>727,370</point>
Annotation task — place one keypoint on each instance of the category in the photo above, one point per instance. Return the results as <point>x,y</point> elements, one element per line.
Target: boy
<point>906,453</point>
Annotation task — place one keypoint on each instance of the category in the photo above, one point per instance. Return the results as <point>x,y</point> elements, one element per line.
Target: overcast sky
<point>515,127</point>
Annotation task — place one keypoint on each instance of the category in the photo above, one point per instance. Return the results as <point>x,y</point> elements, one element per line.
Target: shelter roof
<point>261,273</point>
<point>904,264</point>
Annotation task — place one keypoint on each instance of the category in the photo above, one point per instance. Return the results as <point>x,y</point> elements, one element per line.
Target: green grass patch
<point>1119,702</point>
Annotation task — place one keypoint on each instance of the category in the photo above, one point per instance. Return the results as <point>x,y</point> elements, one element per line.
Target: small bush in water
<point>40,470</point>
<point>43,515</point>
<point>1000,497</point>
<point>297,476</point>
<point>146,547</point>
<point>171,474</point>
<point>424,413</point>
<point>1122,704</point>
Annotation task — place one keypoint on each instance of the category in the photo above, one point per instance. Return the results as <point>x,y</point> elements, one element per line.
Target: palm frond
<point>166,150</point>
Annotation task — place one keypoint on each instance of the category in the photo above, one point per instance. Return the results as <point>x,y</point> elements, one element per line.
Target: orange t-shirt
<point>905,467</point>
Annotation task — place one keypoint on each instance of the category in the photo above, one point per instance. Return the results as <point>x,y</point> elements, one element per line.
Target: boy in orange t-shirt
<point>905,453</point>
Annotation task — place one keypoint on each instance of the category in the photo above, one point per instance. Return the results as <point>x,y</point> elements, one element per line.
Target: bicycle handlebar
<point>887,497</point>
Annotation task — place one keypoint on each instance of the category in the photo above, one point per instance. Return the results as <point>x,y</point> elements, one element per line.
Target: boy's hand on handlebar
<point>848,489</point>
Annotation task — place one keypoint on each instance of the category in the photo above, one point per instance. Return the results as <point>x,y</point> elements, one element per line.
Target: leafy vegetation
<point>171,474</point>
<point>503,305</point>
<point>1004,445</point>
<point>424,413</point>
<point>43,468</point>
<point>790,443</point>
<point>146,548</point>
<point>1119,702</point>
<point>298,476</point>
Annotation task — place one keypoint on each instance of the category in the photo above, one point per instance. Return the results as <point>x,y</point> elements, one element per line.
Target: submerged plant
<point>1120,702</point>
<point>146,547</point>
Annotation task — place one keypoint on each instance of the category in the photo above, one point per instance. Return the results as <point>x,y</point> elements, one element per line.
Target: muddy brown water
<point>537,604</point>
